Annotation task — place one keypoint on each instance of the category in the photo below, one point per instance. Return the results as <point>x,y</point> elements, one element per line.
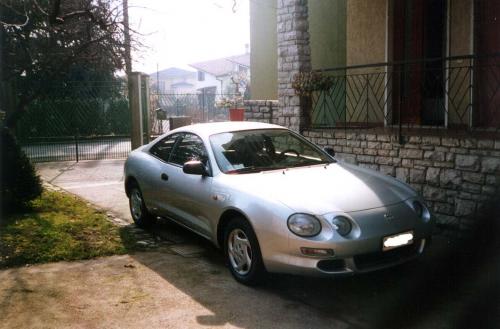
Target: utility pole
<point>126,36</point>
<point>134,86</point>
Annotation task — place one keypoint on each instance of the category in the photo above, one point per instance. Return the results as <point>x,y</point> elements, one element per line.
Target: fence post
<point>135,103</point>
<point>145,81</point>
<point>203,107</point>
<point>76,146</point>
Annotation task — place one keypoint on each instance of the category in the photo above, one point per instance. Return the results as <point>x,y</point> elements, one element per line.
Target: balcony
<point>454,93</point>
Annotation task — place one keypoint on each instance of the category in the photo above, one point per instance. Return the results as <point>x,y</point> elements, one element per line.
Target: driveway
<point>99,182</point>
<point>184,283</point>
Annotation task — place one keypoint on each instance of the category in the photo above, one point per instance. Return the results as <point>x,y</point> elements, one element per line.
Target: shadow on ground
<point>454,286</point>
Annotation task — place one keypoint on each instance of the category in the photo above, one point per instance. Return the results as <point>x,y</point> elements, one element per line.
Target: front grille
<point>381,258</point>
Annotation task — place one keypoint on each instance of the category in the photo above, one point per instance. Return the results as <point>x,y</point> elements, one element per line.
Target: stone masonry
<point>456,176</point>
<point>293,57</point>
<point>261,110</point>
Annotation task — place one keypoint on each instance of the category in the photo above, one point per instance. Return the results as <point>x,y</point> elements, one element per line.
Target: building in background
<point>217,75</point>
<point>174,81</point>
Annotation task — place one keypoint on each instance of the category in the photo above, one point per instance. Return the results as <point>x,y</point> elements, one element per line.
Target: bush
<point>19,181</point>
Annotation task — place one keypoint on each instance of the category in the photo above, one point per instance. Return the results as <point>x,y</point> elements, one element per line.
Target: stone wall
<point>261,110</point>
<point>456,176</point>
<point>294,56</point>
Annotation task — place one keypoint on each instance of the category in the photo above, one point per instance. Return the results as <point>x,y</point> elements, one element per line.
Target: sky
<point>176,33</point>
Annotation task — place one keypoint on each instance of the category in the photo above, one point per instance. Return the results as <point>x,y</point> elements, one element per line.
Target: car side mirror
<point>329,150</point>
<point>195,168</point>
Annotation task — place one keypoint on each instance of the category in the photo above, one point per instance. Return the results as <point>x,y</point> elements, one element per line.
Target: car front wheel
<point>243,253</point>
<point>138,210</point>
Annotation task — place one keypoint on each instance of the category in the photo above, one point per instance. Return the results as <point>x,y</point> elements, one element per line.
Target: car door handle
<point>164,176</point>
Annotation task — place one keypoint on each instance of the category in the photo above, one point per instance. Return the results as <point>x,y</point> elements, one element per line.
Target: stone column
<point>294,56</point>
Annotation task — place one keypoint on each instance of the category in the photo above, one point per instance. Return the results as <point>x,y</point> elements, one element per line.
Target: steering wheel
<point>282,153</point>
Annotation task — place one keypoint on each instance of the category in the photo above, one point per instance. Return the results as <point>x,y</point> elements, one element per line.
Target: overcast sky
<point>180,32</point>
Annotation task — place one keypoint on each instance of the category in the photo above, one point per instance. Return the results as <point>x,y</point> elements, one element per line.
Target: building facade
<point>415,92</point>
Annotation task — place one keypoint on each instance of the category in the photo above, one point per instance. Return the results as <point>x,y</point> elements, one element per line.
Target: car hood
<point>324,189</point>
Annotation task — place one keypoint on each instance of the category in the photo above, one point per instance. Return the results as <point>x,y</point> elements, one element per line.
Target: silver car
<point>274,202</point>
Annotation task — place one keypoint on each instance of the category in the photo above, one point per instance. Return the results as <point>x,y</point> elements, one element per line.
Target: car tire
<point>138,210</point>
<point>242,252</point>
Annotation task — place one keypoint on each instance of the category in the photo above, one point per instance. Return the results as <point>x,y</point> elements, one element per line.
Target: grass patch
<point>59,226</point>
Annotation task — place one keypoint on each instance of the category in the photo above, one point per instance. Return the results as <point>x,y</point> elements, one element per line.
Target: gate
<point>92,120</point>
<point>81,122</point>
<point>200,107</point>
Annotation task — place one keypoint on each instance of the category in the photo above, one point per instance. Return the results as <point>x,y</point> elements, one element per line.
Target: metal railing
<point>81,121</point>
<point>454,92</point>
<point>201,107</point>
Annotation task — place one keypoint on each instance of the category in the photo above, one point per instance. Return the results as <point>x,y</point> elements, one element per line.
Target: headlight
<point>421,210</point>
<point>304,225</point>
<point>418,207</point>
<point>342,225</point>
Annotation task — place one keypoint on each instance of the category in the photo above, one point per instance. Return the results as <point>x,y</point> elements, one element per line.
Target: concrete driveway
<point>184,283</point>
<point>100,182</point>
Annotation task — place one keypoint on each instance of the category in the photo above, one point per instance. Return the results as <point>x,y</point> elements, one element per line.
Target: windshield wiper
<point>251,169</point>
<point>311,163</point>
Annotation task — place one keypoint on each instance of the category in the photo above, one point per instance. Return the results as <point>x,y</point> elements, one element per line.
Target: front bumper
<point>356,254</point>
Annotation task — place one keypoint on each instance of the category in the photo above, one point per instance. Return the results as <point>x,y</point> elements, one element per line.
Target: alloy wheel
<point>136,204</point>
<point>239,251</point>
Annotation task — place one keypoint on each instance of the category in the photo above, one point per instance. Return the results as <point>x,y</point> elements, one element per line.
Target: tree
<point>45,43</point>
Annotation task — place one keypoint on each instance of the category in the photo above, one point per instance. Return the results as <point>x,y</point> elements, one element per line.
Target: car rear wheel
<point>242,252</point>
<point>138,210</point>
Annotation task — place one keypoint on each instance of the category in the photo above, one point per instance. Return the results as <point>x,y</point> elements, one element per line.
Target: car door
<point>192,203</point>
<point>155,176</point>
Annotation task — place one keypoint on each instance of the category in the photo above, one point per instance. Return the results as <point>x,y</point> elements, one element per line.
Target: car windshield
<point>250,151</point>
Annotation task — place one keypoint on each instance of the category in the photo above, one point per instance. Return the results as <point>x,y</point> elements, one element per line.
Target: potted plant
<point>305,83</point>
<point>235,105</point>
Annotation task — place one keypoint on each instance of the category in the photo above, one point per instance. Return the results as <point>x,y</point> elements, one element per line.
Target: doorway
<point>487,64</point>
<point>419,49</point>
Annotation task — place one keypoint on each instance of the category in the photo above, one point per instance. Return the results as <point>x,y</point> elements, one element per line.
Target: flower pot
<point>236,114</point>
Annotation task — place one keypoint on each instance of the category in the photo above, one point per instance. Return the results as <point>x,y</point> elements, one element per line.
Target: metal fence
<point>200,107</point>
<point>454,92</point>
<point>83,121</point>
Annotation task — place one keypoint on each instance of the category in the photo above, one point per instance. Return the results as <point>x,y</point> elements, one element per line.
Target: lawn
<point>59,226</point>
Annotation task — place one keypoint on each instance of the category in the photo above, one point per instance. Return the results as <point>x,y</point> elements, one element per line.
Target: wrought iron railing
<point>455,92</point>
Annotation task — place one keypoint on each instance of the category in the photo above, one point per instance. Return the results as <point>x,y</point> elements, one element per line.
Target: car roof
<point>207,129</point>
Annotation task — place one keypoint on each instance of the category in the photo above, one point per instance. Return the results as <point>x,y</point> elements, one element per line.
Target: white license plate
<point>397,240</point>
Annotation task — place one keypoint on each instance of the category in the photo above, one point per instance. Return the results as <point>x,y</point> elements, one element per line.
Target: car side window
<point>189,148</point>
<point>163,148</point>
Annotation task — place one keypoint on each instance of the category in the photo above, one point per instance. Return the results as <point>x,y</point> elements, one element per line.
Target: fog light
<point>316,252</point>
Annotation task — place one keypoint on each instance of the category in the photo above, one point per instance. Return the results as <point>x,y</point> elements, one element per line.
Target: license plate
<point>397,240</point>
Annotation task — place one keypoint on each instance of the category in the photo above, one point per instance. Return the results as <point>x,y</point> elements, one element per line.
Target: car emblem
<point>388,216</point>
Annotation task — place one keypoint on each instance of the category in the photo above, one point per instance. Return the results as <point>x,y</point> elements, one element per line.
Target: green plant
<point>226,102</point>
<point>20,183</point>
<point>59,226</point>
<point>305,83</point>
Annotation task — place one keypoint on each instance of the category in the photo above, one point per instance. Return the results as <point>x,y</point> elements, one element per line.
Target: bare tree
<point>42,41</point>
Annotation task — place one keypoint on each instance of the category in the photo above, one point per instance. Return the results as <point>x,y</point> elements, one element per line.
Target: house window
<point>201,76</point>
